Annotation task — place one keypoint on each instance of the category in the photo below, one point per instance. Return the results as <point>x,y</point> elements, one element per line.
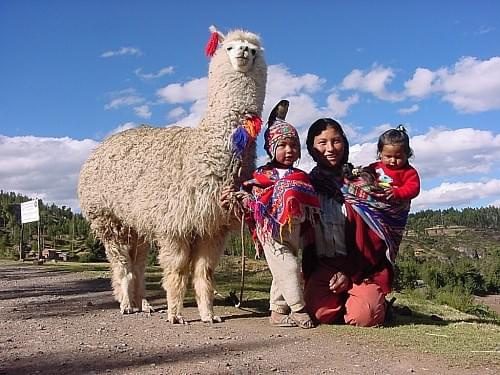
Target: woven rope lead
<point>242,284</point>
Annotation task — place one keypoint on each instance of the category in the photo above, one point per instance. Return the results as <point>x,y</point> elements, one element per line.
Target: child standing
<point>281,204</point>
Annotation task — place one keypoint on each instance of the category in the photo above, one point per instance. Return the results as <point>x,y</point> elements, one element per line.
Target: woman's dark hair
<point>396,136</point>
<point>316,128</point>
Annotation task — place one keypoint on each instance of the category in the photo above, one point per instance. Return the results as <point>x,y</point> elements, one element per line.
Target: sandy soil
<point>68,323</point>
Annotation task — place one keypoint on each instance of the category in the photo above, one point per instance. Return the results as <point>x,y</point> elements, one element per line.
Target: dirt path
<point>66,323</point>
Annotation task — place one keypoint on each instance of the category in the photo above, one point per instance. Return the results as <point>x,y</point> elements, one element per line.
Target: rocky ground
<point>67,323</point>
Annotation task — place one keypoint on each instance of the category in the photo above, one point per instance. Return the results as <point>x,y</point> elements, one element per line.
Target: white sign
<point>29,211</point>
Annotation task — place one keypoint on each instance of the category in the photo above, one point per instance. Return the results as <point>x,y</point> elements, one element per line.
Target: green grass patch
<point>460,339</point>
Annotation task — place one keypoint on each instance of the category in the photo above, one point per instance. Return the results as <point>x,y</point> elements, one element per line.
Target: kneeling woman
<point>348,276</point>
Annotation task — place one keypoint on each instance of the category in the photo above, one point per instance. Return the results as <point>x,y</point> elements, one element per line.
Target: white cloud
<point>338,107</point>
<point>471,85</point>
<point>283,84</point>
<point>194,115</point>
<point>441,152</point>
<point>495,203</point>
<point>466,151</point>
<point>373,81</point>
<point>485,29</point>
<point>195,89</point>
<point>46,168</point>
<point>420,85</point>
<point>456,194</point>
<point>123,98</point>
<point>370,135</point>
<point>133,51</point>
<point>406,111</point>
<point>120,128</point>
<point>363,154</point>
<point>163,71</point>
<point>143,111</point>
<point>175,113</point>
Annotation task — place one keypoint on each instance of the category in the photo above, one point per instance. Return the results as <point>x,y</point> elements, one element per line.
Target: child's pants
<point>282,258</point>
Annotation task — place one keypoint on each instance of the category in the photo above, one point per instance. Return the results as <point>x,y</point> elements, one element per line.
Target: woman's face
<point>329,147</point>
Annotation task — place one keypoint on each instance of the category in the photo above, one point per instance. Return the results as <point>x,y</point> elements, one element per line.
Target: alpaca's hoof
<point>146,307</point>
<point>126,310</point>
<point>177,319</point>
<point>212,319</point>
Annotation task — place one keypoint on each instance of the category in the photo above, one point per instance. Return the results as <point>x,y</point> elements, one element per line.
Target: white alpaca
<point>163,185</point>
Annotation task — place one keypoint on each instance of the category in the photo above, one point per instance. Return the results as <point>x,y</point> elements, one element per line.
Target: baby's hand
<point>389,194</point>
<point>384,195</point>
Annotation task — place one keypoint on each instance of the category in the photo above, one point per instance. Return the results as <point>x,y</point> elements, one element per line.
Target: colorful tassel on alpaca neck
<point>240,140</point>
<point>245,134</point>
<point>253,125</point>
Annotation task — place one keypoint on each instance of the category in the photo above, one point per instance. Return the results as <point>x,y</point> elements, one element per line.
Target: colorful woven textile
<point>279,201</point>
<point>387,220</point>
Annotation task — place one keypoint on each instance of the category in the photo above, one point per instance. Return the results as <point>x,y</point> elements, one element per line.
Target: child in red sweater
<point>398,178</point>
<point>383,191</point>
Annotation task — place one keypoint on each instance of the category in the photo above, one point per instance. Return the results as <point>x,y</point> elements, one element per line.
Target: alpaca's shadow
<point>256,308</point>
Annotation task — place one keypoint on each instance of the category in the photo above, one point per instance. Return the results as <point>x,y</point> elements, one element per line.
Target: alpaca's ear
<point>213,29</point>
<point>279,112</point>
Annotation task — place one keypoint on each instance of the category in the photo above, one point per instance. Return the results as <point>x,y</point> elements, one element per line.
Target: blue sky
<point>74,72</point>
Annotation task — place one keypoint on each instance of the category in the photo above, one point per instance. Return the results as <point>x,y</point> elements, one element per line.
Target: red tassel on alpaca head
<point>213,42</point>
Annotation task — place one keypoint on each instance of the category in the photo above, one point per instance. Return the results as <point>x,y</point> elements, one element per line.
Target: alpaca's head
<point>237,73</point>
<point>242,48</point>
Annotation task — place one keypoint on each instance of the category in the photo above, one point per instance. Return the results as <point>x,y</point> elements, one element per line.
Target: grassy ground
<point>461,339</point>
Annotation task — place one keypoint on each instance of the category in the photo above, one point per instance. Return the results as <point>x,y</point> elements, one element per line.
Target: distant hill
<point>61,231</point>
<point>439,237</point>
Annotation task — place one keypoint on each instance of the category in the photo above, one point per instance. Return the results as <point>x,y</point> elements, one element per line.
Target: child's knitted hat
<point>276,132</point>
<point>278,129</point>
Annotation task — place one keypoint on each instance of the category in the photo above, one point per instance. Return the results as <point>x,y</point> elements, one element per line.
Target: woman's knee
<point>365,306</point>
<point>323,305</point>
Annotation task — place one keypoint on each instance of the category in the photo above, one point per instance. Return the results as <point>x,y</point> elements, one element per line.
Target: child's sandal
<point>302,319</point>
<point>281,320</point>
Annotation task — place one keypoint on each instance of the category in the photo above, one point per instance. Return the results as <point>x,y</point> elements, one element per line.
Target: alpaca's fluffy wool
<point>163,184</point>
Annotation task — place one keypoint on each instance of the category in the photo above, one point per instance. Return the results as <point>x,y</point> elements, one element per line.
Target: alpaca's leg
<point>119,242</point>
<point>174,259</point>
<point>205,259</point>
<point>122,279</point>
<point>138,268</point>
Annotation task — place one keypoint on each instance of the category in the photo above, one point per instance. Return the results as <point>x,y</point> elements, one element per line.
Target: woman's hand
<point>339,283</point>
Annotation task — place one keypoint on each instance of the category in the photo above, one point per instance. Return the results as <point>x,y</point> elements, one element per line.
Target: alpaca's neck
<point>232,95</point>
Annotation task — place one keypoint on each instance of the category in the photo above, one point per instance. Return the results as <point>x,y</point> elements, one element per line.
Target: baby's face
<point>393,156</point>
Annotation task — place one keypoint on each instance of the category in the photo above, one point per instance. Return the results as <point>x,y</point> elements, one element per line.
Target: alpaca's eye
<point>229,48</point>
